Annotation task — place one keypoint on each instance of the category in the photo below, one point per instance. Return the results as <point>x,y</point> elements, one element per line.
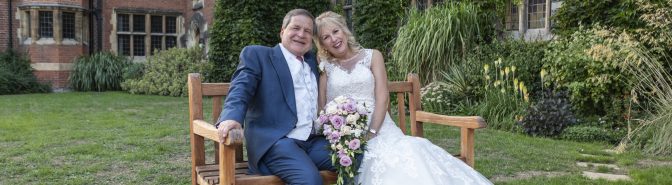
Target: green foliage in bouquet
<point>166,72</point>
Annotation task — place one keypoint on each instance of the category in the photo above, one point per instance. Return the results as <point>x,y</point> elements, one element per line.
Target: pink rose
<point>345,161</point>
<point>354,144</point>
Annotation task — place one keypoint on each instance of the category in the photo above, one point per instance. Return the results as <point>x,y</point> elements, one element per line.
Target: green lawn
<point>117,138</point>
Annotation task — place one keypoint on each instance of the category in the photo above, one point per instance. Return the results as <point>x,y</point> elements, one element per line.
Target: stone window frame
<point>32,29</point>
<point>147,36</point>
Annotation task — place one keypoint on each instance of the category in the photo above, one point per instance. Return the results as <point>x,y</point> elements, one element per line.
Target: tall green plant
<point>98,72</point>
<point>238,24</point>
<point>654,84</point>
<point>433,40</point>
<point>16,75</point>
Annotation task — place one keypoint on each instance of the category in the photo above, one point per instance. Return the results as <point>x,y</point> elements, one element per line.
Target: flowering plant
<point>344,123</point>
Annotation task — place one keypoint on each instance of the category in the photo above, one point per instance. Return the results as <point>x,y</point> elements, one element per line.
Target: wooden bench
<point>229,166</point>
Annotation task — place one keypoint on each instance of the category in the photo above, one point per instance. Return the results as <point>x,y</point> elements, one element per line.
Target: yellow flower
<point>513,69</point>
<point>543,73</point>
<point>506,71</point>
<point>486,67</point>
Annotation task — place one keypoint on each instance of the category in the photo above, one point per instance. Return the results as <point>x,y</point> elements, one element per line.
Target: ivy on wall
<point>252,22</point>
<point>376,22</point>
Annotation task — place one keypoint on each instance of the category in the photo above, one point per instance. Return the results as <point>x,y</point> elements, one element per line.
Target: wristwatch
<point>373,131</point>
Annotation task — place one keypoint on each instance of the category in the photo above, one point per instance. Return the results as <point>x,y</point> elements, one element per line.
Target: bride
<point>391,157</point>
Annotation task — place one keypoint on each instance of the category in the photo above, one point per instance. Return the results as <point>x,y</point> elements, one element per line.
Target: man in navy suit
<point>274,93</point>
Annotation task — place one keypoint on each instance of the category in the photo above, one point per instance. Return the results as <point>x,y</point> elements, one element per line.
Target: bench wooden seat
<point>229,166</point>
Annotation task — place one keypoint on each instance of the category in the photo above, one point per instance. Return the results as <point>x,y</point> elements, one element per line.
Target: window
<point>46,24</point>
<point>512,17</point>
<point>68,20</point>
<point>123,23</point>
<point>536,16</point>
<point>157,24</point>
<point>347,8</point>
<point>124,45</point>
<point>133,30</point>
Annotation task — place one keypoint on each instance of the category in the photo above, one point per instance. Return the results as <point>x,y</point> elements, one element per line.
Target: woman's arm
<point>380,90</point>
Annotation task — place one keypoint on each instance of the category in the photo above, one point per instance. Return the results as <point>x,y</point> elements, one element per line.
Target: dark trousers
<point>296,161</point>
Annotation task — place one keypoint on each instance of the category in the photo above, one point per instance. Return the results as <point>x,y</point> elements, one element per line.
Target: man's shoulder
<point>257,48</point>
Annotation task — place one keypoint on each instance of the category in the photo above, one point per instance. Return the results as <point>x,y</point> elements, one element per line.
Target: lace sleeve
<point>367,58</point>
<point>326,66</point>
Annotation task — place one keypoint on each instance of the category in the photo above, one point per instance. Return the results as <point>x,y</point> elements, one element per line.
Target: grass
<point>117,138</point>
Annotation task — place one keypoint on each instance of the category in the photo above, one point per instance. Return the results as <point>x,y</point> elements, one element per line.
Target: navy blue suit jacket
<point>261,97</point>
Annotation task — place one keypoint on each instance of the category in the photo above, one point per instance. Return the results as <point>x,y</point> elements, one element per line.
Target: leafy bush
<point>16,75</point>
<point>238,24</point>
<point>549,116</point>
<point>166,72</point>
<point>98,72</point>
<point>438,38</point>
<point>589,65</point>
<point>592,134</point>
<point>134,71</point>
<point>611,13</point>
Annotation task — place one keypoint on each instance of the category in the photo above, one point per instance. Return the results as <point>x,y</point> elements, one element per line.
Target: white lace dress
<point>392,157</point>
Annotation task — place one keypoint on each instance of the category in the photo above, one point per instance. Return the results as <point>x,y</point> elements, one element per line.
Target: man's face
<point>297,36</point>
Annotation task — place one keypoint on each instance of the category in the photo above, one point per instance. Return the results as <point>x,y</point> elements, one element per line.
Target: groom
<point>274,92</point>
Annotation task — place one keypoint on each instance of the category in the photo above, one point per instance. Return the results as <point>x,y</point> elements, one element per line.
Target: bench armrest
<point>207,130</point>
<point>474,122</point>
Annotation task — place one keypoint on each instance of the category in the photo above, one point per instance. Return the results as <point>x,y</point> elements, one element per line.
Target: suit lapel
<point>312,62</point>
<point>286,84</point>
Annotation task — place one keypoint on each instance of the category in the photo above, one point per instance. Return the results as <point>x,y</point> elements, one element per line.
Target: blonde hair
<point>331,18</point>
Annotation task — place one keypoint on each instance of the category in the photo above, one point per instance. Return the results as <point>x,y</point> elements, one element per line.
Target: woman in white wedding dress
<point>391,157</point>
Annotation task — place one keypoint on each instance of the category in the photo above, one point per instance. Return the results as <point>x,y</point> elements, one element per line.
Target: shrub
<point>549,116</point>
<point>611,13</point>
<point>16,75</point>
<point>436,39</point>
<point>376,23</point>
<point>134,71</point>
<point>589,65</point>
<point>499,109</point>
<point>238,24</point>
<point>592,134</point>
<point>98,72</point>
<point>166,72</point>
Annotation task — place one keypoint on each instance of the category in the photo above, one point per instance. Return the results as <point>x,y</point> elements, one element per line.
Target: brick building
<point>55,32</point>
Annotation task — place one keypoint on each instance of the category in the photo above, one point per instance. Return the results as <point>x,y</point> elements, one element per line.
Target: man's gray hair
<point>296,12</point>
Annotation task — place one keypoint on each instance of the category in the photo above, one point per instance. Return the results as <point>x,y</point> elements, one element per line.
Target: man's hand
<point>225,127</point>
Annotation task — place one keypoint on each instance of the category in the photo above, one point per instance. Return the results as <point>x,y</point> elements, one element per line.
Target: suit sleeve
<point>243,86</point>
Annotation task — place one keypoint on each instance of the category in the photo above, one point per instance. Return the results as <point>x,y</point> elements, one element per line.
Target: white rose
<point>340,99</point>
<point>332,110</point>
<point>352,118</point>
<point>346,130</point>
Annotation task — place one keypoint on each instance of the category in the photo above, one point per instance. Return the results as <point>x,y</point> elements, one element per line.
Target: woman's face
<point>333,39</point>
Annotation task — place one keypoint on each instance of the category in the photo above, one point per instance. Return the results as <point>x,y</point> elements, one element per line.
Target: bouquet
<point>344,123</point>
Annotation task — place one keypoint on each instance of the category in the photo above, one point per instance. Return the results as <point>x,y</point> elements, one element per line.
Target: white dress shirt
<point>305,94</point>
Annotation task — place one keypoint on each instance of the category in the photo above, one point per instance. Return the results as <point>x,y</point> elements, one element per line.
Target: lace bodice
<point>354,81</point>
